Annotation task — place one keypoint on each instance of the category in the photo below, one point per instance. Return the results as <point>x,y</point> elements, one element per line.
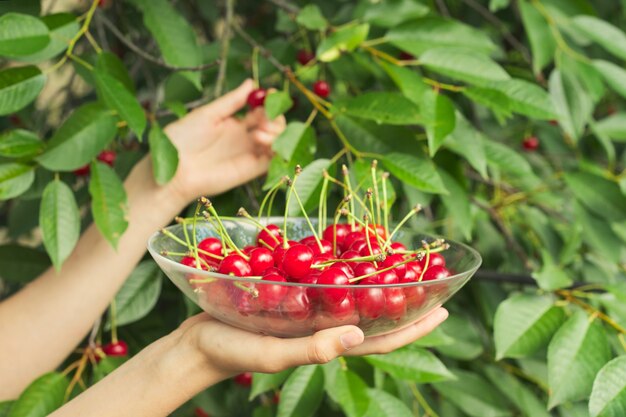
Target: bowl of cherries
<point>292,276</point>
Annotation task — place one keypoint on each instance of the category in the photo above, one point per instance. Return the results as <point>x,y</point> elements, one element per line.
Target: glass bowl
<point>231,299</point>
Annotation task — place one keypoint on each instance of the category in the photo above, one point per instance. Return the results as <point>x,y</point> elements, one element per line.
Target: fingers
<point>322,347</point>
<point>229,103</point>
<point>387,343</point>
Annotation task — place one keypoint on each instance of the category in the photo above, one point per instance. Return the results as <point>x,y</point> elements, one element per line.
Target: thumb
<point>323,346</point>
<point>229,103</point>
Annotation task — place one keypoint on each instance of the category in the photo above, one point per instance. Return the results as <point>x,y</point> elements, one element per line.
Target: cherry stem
<point>378,271</point>
<point>193,231</point>
<point>406,218</point>
<point>306,217</point>
<point>271,192</point>
<point>349,194</point>
<point>242,212</point>
<point>380,257</point>
<point>321,214</point>
<point>255,66</point>
<point>180,220</point>
<point>377,219</point>
<point>227,238</point>
<point>385,208</point>
<point>348,189</point>
<point>113,317</point>
<point>367,237</point>
<point>178,240</point>
<point>426,262</point>
<point>291,185</point>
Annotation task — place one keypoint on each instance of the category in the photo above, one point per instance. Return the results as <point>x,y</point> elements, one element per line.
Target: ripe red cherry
<point>256,98</point>
<point>531,143</point>
<point>435,272</point>
<point>247,304</point>
<point>321,88</point>
<point>395,303</point>
<point>415,295</point>
<point>350,254</point>
<point>333,276</point>
<point>82,171</point>
<point>260,260</point>
<point>413,270</point>
<point>392,260</point>
<point>376,229</point>
<point>336,232</point>
<point>327,247</point>
<point>397,247</point>
<point>211,245</point>
<point>311,292</point>
<point>372,249</point>
<point>345,268</point>
<point>406,56</point>
<point>191,261</point>
<point>343,310</point>
<point>245,379</point>
<point>297,261</point>
<point>271,236</point>
<point>386,277</point>
<point>370,301</point>
<point>350,238</point>
<point>364,268</point>
<point>297,304</point>
<point>358,245</point>
<point>235,265</point>
<point>304,56</point>
<point>120,348</point>
<point>322,258</point>
<point>271,295</point>
<point>199,412</point>
<point>433,260</point>
<point>108,157</point>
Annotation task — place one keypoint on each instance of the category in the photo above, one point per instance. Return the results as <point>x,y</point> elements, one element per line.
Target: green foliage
<point>442,97</point>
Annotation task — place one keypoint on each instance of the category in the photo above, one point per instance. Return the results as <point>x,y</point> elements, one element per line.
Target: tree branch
<point>221,74</point>
<point>141,53</point>
<point>288,7</point>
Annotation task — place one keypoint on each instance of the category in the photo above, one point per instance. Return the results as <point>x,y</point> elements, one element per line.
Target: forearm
<point>40,325</point>
<point>153,383</point>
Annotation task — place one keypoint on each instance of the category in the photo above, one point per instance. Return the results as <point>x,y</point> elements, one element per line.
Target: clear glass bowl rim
<point>475,262</point>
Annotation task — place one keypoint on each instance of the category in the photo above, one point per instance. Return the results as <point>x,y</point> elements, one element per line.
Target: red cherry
<point>345,268</point>
<point>350,238</point>
<point>350,254</point>
<point>435,272</point>
<point>304,56</point>
<point>386,277</point>
<point>297,304</point>
<point>372,249</point>
<point>271,237</point>
<point>358,246</point>
<point>415,295</point>
<point>82,171</point>
<point>322,258</point>
<point>256,98</point>
<point>376,229</point>
<point>274,270</point>
<point>108,157</point>
<point>312,292</point>
<point>191,262</point>
<point>211,245</point>
<point>279,254</point>
<point>260,260</point>
<point>333,276</point>
<point>395,303</point>
<point>336,232</point>
<point>15,120</point>
<point>199,412</point>
<point>406,56</point>
<point>247,304</point>
<point>297,260</point>
<point>327,247</point>
<point>235,265</point>
<point>413,270</point>
<point>434,259</point>
<point>530,143</point>
<point>364,268</point>
<point>370,301</point>
<point>245,379</point>
<point>271,295</point>
<point>342,310</point>
<point>395,259</point>
<point>397,247</point>
<point>321,88</point>
<point>116,349</point>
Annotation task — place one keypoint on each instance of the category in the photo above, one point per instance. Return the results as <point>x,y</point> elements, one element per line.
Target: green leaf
<point>15,179</point>
<point>526,98</point>
<point>601,196</point>
<point>138,295</point>
<point>115,95</point>
<point>289,141</point>
<point>173,34</point>
<point>308,186</point>
<point>542,43</point>
<point>411,364</point>
<point>467,344</point>
<point>577,352</point>
<point>598,234</point>
<point>21,264</point>
<point>302,393</point>
<point>19,143</point>
<point>361,174</point>
<point>438,337</point>
<point>163,154</point>
<point>551,276</point>
<point>430,32</point>
<point>265,382</point>
<point>311,17</point>
<point>573,105</point>
<point>493,99</point>
<point>439,118</point>
<point>614,75</point>
<point>63,27</point>
<point>21,34</point>
<point>41,397</point>
<point>467,142</point>
<point>603,33</point>
<point>382,107</point>
<point>59,220</point>
<point>108,63</point>
<point>457,205</point>
<point>5,408</point>
<point>384,404</point>
<point>608,397</point>
<point>346,388</point>
<point>108,204</point>
<point>19,86</point>
<point>613,126</point>
<point>516,392</point>
<point>346,39</point>
<point>524,323</point>
<point>361,135</point>
<point>87,131</point>
<point>277,103</point>
<point>408,81</point>
<point>472,394</point>
<point>463,64</point>
<point>506,159</point>
<point>107,365</point>
<point>495,5</point>
<point>416,171</point>
<point>390,13</point>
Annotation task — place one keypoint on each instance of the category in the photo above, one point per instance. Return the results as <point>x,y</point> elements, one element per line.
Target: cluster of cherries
<point>345,255</point>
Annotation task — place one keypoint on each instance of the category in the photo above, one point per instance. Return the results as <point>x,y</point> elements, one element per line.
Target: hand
<point>218,151</point>
<point>230,351</point>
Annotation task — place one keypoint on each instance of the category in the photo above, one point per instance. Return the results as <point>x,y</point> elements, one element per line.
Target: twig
<point>592,310</point>
<point>443,9</point>
<point>140,52</point>
<point>291,8</point>
<point>493,19</point>
<point>221,74</point>
<point>265,52</point>
<point>422,401</point>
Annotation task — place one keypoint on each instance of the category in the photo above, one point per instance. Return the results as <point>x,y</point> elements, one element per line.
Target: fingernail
<point>351,339</point>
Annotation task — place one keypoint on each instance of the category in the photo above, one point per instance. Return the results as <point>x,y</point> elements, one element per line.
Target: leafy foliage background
<point>441,93</point>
